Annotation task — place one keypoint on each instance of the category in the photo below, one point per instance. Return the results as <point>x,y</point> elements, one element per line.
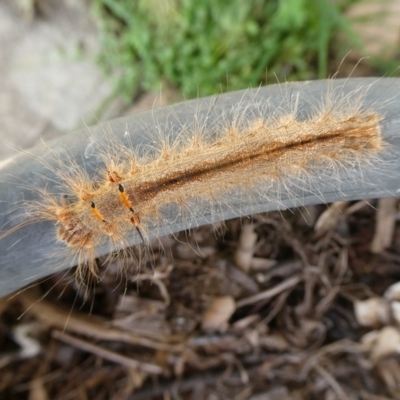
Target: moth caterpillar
<point>198,162</point>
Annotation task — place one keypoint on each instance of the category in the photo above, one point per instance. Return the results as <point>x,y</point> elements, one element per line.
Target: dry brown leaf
<point>372,312</point>
<point>385,223</point>
<point>217,315</point>
<point>387,342</point>
<point>393,292</point>
<point>330,217</point>
<point>395,311</point>
<point>38,390</point>
<point>245,250</point>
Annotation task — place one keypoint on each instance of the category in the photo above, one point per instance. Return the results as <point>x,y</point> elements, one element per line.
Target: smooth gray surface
<point>33,252</point>
<point>50,83</point>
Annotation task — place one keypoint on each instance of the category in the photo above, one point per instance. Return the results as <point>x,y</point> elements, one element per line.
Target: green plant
<point>207,46</point>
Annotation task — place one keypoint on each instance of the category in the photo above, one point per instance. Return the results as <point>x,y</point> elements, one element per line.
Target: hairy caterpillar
<point>199,162</point>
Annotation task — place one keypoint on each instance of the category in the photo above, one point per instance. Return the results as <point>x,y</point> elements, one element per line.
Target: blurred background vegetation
<point>205,47</point>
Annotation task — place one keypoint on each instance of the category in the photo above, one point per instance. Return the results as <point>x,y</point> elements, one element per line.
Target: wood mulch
<point>294,305</point>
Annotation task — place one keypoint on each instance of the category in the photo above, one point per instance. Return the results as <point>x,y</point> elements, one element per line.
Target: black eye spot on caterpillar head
<point>121,188</point>
<point>92,204</point>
